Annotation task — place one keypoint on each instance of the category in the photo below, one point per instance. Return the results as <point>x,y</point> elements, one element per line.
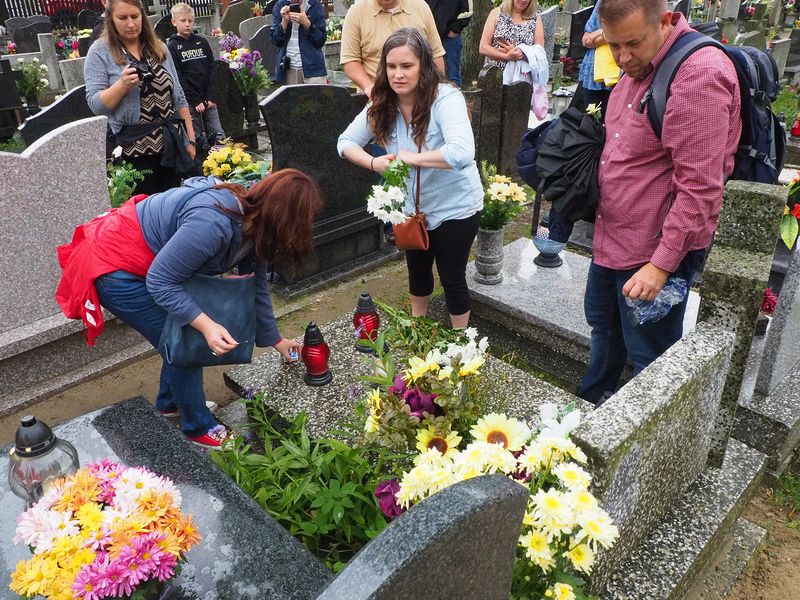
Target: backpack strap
<point>655,99</point>
<point>188,195</point>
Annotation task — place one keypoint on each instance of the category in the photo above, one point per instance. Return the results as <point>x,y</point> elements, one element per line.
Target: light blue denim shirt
<point>100,72</point>
<point>445,194</point>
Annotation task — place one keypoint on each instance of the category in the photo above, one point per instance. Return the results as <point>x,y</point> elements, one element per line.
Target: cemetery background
<point>387,283</point>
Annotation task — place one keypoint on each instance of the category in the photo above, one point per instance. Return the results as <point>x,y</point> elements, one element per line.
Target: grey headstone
<point>780,52</point>
<point>69,108</point>
<point>249,27</point>
<point>459,543</point>
<point>572,6</point>
<point>243,553</point>
<point>729,30</point>
<point>213,42</point>
<point>650,441</point>
<point>164,28</point>
<point>491,121</point>
<point>782,346</point>
<point>754,39</point>
<point>14,23</point>
<point>50,60</point>
<point>262,41</point>
<point>332,50</point>
<point>72,72</point>
<point>31,180</point>
<point>236,13</point>
<point>27,37</point>
<point>549,18</point>
<point>154,19</point>
<point>730,9</point>
<point>576,31</point>
<point>10,100</point>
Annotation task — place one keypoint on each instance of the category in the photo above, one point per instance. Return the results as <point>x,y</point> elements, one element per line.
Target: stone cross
<point>50,60</point>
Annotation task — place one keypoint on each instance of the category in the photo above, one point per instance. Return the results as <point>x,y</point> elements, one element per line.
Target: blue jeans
<point>614,338</point>
<point>127,297</point>
<point>452,60</point>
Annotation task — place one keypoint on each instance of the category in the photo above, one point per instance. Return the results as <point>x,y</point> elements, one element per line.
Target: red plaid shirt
<point>640,176</point>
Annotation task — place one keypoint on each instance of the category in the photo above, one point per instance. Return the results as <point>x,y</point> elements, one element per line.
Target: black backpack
<point>762,147</point>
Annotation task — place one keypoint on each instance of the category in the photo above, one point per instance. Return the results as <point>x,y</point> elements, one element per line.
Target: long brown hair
<point>151,45</point>
<point>382,113</point>
<point>279,214</point>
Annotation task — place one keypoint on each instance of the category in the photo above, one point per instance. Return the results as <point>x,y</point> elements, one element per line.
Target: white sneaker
<point>210,405</point>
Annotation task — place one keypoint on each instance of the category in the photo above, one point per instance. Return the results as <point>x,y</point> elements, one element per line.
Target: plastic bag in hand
<point>644,311</point>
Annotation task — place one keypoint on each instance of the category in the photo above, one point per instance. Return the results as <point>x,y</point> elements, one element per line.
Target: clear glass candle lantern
<point>562,98</point>
<point>37,459</point>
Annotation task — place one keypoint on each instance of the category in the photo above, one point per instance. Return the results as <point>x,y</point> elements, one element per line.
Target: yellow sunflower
<point>446,445</point>
<point>497,428</point>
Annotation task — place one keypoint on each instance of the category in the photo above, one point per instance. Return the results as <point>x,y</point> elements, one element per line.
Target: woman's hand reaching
<point>287,348</point>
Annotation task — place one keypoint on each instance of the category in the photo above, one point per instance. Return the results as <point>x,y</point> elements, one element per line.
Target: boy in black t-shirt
<point>196,68</point>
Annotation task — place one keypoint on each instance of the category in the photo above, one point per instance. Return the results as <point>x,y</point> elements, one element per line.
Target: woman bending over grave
<point>135,259</point>
<point>423,121</point>
<point>131,79</point>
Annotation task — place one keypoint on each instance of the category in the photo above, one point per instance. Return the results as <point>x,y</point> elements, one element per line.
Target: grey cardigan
<point>100,72</point>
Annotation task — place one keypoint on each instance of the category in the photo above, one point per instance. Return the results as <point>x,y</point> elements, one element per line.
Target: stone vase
<point>251,113</point>
<point>489,257</point>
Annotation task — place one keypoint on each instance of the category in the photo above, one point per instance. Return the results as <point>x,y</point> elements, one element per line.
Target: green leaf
<point>789,230</point>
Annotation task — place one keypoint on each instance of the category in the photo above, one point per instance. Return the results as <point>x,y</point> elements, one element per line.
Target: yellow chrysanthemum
<point>418,367</point>
<point>471,367</point>
<point>537,549</point>
<point>218,172</point>
<point>33,576</point>
<point>90,516</point>
<point>561,591</point>
<point>502,179</point>
<point>582,557</point>
<point>598,527</point>
<point>572,476</point>
<point>496,428</point>
<point>446,445</point>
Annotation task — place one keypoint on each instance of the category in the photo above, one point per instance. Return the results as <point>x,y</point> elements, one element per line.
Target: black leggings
<point>160,180</point>
<point>450,244</point>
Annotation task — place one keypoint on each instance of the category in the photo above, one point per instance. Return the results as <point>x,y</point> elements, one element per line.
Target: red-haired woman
<point>134,259</point>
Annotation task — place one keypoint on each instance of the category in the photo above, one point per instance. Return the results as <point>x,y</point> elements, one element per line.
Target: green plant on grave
<point>318,489</point>
<point>33,78</point>
<point>787,493</point>
<point>502,198</point>
<point>122,180</point>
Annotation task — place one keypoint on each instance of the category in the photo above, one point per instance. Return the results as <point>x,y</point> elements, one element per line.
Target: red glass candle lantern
<point>366,321</point>
<point>796,128</point>
<point>315,356</point>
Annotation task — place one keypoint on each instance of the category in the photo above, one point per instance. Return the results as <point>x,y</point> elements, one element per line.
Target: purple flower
<point>253,73</point>
<point>421,403</point>
<point>386,493</point>
<point>230,42</point>
<point>256,55</point>
<point>399,388</point>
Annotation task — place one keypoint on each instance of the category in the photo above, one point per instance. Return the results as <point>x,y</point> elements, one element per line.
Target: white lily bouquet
<point>387,199</point>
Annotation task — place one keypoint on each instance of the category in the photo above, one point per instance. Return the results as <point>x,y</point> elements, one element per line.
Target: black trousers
<point>450,244</point>
<point>160,179</point>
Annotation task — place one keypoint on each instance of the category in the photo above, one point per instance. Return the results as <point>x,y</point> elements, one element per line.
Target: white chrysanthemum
<point>599,528</point>
<point>440,479</point>
<point>471,333</point>
<point>553,511</point>
<point>583,501</point>
<point>485,458</point>
<point>415,483</point>
<point>562,591</point>
<point>581,556</point>
<point>56,525</point>
<point>134,482</point>
<point>30,525</point>
<point>498,191</point>
<point>572,476</point>
<point>537,549</point>
<point>432,458</point>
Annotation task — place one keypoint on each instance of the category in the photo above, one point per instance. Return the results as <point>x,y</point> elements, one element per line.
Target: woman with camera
<point>299,32</point>
<point>131,79</point>
<point>423,121</point>
<point>135,259</point>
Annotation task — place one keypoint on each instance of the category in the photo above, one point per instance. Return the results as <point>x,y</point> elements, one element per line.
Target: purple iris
<point>421,403</point>
<point>386,493</point>
<point>399,388</point>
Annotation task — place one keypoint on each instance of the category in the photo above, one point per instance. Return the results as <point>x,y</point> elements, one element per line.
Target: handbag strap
<point>416,207</point>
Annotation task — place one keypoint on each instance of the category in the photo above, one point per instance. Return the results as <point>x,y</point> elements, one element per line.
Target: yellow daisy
<point>496,428</point>
<point>446,445</point>
<point>582,557</point>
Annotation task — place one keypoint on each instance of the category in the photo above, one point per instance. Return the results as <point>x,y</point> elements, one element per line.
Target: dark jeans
<point>452,58</point>
<point>450,244</point>
<point>127,297</point>
<point>159,180</point>
<point>614,338</point>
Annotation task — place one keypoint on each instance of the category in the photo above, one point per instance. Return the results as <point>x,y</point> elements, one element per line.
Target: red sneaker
<point>213,438</point>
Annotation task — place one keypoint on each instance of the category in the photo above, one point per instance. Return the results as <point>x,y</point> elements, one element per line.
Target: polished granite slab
<point>243,554</point>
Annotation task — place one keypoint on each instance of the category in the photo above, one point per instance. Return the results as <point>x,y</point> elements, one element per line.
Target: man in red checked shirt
<point>659,199</point>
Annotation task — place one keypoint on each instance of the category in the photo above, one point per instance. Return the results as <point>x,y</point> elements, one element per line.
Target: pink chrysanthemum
<point>86,585</point>
<point>100,539</point>
<point>165,565</point>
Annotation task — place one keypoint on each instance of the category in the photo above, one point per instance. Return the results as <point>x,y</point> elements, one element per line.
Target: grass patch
<point>12,145</point>
<point>786,103</point>
<point>787,493</point>
<point>515,361</point>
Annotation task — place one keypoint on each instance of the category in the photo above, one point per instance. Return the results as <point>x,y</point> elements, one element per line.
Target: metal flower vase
<point>489,257</point>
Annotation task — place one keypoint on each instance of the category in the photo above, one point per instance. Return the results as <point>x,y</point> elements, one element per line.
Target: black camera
<point>143,69</point>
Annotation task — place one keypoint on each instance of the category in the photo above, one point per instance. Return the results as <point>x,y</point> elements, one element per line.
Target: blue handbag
<point>229,301</point>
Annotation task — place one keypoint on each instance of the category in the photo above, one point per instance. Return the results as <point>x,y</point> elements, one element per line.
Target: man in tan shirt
<point>367,25</point>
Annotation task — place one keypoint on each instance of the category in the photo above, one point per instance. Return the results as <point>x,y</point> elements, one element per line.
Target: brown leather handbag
<point>413,233</point>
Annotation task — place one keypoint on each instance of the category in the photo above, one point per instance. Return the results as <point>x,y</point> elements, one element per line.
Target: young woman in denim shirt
<point>423,121</point>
